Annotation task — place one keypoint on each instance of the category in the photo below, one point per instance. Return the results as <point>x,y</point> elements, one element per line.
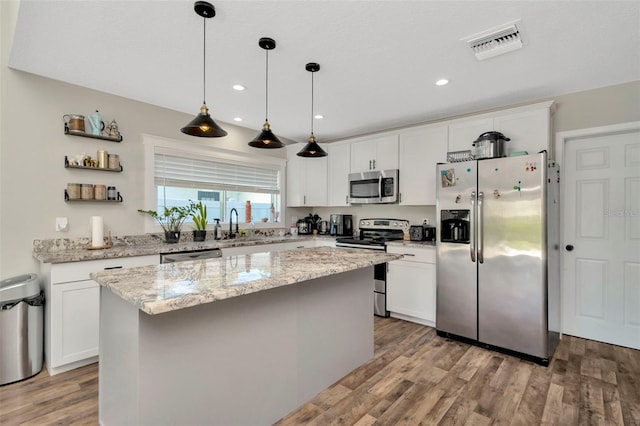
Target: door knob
<point>569,247</point>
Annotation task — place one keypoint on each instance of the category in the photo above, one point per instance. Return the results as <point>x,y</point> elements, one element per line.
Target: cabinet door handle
<point>346,199</point>
<point>374,164</point>
<point>304,200</point>
<point>113,267</point>
<point>369,164</point>
<point>408,254</point>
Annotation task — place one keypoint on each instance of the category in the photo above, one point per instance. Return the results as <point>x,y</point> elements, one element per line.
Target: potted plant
<point>199,216</point>
<point>171,220</point>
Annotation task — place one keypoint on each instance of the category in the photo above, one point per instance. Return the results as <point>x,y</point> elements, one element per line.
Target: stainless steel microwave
<point>373,187</point>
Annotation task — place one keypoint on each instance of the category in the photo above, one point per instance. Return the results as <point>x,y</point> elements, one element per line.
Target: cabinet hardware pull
<point>113,267</point>
<point>369,164</point>
<point>408,254</point>
<point>374,164</point>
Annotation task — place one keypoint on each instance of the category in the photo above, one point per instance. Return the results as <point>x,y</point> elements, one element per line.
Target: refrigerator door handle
<point>472,227</point>
<point>480,225</point>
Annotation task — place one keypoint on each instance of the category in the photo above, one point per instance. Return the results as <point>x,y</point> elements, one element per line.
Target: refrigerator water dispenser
<point>454,226</point>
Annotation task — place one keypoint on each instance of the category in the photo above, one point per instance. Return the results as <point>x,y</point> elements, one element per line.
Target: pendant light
<point>203,125</point>
<point>312,149</point>
<point>266,138</point>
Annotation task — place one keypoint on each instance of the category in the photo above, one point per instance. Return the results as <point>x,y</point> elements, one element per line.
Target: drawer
<point>79,271</point>
<point>415,254</point>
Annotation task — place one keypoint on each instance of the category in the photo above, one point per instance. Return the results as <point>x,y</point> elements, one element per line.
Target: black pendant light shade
<point>312,149</point>
<point>203,125</point>
<point>266,138</point>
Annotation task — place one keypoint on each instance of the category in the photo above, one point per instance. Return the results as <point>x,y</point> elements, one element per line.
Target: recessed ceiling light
<point>237,119</point>
<point>318,116</point>
<point>442,82</point>
<point>238,87</point>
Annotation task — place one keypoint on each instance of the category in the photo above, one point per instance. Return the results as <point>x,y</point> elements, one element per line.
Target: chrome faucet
<point>231,233</point>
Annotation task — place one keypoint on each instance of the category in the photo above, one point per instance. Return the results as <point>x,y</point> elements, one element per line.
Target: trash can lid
<point>20,287</point>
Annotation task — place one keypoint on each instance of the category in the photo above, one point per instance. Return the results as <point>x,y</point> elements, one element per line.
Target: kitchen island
<point>237,340</point>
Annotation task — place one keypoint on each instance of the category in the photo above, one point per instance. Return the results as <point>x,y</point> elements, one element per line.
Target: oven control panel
<point>380,224</point>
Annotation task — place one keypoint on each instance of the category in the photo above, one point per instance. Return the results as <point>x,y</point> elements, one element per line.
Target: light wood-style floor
<point>415,377</point>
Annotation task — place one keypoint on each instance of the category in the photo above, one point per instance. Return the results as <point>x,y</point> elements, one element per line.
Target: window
<point>220,179</point>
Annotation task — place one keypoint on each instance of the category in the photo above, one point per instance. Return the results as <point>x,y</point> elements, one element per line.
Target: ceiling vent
<point>495,41</point>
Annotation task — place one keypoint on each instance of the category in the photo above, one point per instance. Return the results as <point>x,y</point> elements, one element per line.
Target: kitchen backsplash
<point>414,214</point>
<point>59,244</point>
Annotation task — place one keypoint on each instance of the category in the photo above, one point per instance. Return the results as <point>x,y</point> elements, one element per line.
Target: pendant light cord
<point>266,87</point>
<point>312,102</point>
<point>204,61</point>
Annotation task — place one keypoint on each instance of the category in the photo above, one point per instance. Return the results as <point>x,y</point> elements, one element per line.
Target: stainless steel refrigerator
<point>498,254</point>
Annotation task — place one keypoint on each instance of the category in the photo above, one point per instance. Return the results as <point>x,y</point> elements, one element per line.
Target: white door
<point>601,217</point>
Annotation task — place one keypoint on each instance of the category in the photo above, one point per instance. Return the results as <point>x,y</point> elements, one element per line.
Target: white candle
<point>97,231</point>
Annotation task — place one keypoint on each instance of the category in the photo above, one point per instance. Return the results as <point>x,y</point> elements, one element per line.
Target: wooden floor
<point>415,377</point>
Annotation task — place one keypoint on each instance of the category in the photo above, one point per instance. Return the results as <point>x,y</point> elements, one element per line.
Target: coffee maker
<point>341,225</point>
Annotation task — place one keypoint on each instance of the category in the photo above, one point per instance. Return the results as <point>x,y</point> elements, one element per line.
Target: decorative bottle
<point>247,212</point>
<point>217,231</point>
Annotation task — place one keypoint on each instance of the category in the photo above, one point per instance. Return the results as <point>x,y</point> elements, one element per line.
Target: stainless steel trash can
<point>21,328</point>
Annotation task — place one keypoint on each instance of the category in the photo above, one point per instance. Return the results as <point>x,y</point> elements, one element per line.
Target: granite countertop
<point>420,244</point>
<point>173,286</point>
<point>60,251</point>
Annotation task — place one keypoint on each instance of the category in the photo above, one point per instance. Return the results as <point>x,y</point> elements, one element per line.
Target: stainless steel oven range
<point>374,233</point>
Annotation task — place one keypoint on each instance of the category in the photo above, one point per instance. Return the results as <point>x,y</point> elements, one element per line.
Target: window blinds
<point>206,173</point>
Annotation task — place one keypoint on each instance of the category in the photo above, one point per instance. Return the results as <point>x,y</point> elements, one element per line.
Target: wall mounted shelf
<point>67,131</point>
<point>118,199</point>
<point>69,166</point>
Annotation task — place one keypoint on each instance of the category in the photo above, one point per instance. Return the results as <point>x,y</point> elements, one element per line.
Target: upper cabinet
<point>306,179</point>
<point>338,174</point>
<point>528,127</point>
<point>463,133</point>
<point>375,154</point>
<point>528,130</point>
<point>420,150</point>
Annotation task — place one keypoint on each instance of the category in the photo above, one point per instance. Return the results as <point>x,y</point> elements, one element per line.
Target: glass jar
<point>111,193</point>
<point>86,192</point>
<point>73,189</point>
<point>100,192</point>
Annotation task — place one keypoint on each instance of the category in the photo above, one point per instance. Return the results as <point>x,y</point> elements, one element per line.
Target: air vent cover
<point>495,41</point>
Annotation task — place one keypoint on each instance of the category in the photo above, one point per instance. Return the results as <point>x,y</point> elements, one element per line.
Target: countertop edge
<point>155,307</point>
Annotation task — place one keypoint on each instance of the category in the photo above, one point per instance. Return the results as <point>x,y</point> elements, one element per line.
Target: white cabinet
<point>306,179</point>
<point>375,154</point>
<point>528,130</point>
<point>463,133</point>
<point>72,310</point>
<point>528,127</point>
<point>420,150</point>
<point>411,284</point>
<point>338,168</point>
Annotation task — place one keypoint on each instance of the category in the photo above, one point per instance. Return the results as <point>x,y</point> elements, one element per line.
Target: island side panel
<point>247,360</point>
<point>335,329</point>
<point>119,360</point>
<point>228,362</point>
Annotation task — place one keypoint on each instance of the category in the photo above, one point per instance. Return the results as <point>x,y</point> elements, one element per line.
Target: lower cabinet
<point>411,284</point>
<point>75,309</point>
<point>72,310</point>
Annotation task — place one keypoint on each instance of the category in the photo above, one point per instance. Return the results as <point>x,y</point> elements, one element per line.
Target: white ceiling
<point>379,59</point>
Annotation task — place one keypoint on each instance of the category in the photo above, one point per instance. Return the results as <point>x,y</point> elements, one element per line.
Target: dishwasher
<point>183,256</point>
